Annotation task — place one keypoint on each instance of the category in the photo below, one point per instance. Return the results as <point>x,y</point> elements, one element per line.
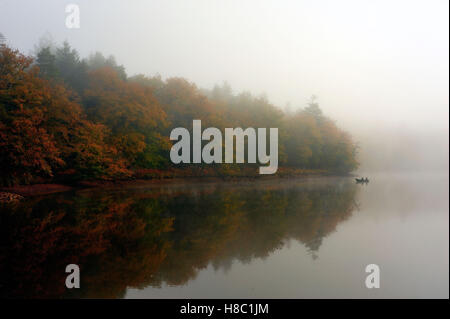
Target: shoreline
<point>51,188</point>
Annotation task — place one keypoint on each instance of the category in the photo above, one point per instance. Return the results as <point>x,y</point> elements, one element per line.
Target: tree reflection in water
<point>147,236</point>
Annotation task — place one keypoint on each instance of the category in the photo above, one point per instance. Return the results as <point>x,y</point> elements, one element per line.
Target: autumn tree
<point>28,148</point>
<point>98,61</point>
<point>43,128</point>
<point>132,113</point>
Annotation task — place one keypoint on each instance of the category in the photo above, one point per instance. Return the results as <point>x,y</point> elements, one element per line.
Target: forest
<point>64,118</point>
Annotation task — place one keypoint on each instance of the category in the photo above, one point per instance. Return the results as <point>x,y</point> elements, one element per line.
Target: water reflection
<point>159,235</point>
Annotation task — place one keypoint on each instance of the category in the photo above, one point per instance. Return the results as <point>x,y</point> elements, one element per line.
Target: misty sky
<point>372,63</point>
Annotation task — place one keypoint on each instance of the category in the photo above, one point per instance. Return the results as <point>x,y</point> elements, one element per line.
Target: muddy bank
<point>43,189</point>
<point>6,197</point>
<point>36,189</point>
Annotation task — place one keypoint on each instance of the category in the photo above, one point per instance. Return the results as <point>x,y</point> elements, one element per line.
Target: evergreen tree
<point>46,62</point>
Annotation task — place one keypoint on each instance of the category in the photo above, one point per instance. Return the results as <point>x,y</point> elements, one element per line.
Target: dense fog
<point>379,68</point>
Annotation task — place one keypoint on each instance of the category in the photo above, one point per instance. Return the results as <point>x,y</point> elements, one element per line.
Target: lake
<point>269,238</point>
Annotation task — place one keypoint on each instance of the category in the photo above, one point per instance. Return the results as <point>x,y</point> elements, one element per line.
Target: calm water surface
<point>282,238</point>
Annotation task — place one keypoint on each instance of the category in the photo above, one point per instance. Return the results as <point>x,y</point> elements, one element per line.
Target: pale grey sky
<point>371,63</point>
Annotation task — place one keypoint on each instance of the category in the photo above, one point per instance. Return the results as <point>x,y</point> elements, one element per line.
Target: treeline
<point>67,118</point>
